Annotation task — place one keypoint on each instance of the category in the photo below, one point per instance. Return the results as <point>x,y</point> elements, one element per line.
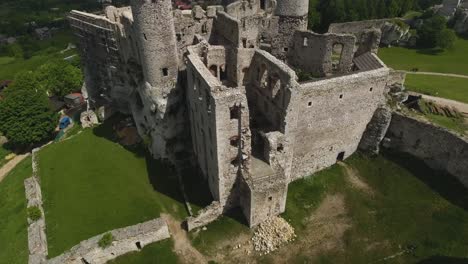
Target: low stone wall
<point>126,240</point>
<point>205,216</point>
<point>37,239</point>
<point>439,148</point>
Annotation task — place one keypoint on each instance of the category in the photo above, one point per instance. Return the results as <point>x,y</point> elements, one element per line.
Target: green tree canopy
<point>25,115</point>
<point>59,77</point>
<point>434,33</point>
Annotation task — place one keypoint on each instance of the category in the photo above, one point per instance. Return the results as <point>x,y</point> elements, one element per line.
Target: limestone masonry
<point>243,90</point>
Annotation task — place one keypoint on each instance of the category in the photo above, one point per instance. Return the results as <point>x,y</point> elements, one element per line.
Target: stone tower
<point>292,16</point>
<point>154,33</point>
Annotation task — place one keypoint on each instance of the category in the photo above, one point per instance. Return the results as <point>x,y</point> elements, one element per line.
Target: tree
<point>25,115</point>
<point>434,33</point>
<point>59,77</point>
<point>446,38</point>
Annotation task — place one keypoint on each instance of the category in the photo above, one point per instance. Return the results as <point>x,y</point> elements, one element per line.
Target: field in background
<point>447,87</point>
<point>449,61</point>
<point>49,50</point>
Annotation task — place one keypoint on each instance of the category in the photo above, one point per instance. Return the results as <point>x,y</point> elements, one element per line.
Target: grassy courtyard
<point>448,61</point>
<point>406,211</point>
<point>160,252</point>
<point>13,224</point>
<point>92,184</point>
<point>440,86</point>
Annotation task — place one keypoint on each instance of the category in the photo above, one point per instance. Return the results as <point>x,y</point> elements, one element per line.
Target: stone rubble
<point>272,234</point>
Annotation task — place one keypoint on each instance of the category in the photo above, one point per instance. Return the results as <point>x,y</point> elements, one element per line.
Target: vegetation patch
<point>34,213</point>
<point>106,240</point>
<point>13,215</point>
<point>429,60</point>
<point>106,186</point>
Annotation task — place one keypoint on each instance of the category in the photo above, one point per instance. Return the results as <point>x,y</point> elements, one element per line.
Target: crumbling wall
<point>439,148</point>
<point>205,216</point>
<point>332,117</point>
<point>376,130</point>
<point>282,41</point>
<point>313,52</point>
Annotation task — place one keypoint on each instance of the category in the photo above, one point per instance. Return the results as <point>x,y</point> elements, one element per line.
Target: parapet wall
<point>439,148</point>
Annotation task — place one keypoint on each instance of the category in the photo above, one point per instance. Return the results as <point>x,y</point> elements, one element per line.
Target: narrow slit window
<point>165,71</point>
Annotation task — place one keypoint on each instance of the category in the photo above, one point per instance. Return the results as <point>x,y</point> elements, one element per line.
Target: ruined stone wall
<point>190,23</point>
<point>227,27</point>
<point>313,52</point>
<point>282,41</point>
<point>100,53</point>
<point>439,148</point>
<point>332,117</point>
<point>269,88</point>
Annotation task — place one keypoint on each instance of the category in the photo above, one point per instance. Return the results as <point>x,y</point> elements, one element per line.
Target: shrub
<point>34,213</point>
<point>106,240</point>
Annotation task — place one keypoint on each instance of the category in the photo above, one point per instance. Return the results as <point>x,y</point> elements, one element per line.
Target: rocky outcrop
<point>439,148</point>
<point>461,22</point>
<point>376,130</point>
<point>393,34</point>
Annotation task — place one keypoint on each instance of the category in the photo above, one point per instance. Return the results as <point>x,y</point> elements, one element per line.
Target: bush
<point>106,240</point>
<point>59,77</point>
<point>34,213</point>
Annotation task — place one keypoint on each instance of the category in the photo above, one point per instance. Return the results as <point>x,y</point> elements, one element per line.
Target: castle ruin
<point>260,100</point>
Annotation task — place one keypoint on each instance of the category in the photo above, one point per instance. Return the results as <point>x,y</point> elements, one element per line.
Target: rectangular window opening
<point>165,71</point>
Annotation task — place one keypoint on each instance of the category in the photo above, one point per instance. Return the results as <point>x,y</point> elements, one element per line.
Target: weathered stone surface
<point>376,130</point>
<point>126,240</point>
<point>439,148</point>
<point>461,22</point>
<point>88,119</point>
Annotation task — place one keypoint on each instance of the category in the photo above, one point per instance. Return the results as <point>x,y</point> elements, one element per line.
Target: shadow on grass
<point>443,260</point>
<point>430,51</point>
<point>162,176</point>
<point>443,183</point>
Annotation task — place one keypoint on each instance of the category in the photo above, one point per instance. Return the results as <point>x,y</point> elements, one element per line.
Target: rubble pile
<point>271,234</point>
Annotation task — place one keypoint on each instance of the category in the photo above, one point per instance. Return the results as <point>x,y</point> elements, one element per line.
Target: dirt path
<point>182,245</point>
<point>355,179</point>
<point>11,165</point>
<point>462,107</point>
<point>438,74</point>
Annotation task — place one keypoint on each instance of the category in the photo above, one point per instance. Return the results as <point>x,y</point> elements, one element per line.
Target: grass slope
<point>160,252</point>
<point>13,223</point>
<point>412,206</point>
<point>91,185</point>
<point>449,61</point>
<point>440,86</point>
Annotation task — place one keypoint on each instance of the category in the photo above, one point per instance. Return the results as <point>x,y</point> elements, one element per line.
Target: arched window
<point>214,70</point>
<point>275,85</point>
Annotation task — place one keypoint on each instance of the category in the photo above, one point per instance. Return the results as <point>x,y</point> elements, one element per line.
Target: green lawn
<point>91,185</point>
<point>13,223</point>
<point>411,206</point>
<point>160,252</point>
<point>450,61</point>
<point>440,86</point>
